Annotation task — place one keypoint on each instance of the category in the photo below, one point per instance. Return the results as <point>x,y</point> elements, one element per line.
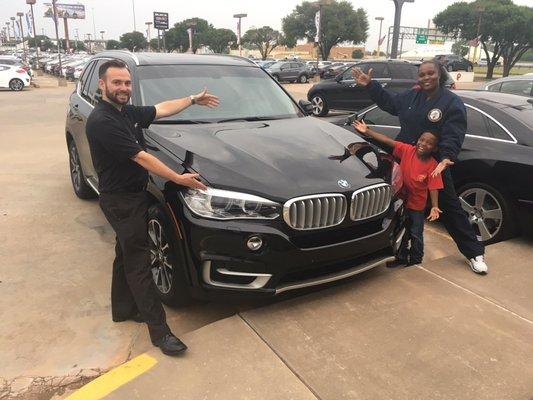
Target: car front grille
<point>315,211</point>
<point>370,201</point>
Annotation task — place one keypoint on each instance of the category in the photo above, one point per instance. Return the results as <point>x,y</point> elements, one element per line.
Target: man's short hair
<point>110,64</point>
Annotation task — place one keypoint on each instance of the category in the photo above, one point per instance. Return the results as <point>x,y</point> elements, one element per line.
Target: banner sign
<point>317,25</point>
<point>74,11</point>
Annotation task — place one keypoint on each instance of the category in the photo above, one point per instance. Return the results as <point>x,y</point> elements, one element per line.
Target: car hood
<point>277,159</point>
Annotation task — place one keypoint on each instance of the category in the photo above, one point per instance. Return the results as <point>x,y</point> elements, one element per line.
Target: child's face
<point>426,144</point>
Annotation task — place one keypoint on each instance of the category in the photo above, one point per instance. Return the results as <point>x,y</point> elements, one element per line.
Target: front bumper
<point>219,261</point>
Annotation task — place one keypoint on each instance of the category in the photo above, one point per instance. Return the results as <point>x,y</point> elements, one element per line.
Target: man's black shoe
<point>135,317</point>
<point>170,345</point>
<point>397,263</point>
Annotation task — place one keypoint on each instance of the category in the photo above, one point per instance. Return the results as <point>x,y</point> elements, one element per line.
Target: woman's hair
<point>440,70</point>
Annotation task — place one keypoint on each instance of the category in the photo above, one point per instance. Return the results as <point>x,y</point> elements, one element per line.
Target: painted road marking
<point>114,379</point>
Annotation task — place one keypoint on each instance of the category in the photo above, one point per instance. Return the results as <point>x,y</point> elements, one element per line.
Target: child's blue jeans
<point>415,235</point>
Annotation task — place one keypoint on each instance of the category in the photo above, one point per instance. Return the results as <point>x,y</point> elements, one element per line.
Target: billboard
<point>74,11</point>
<point>160,20</point>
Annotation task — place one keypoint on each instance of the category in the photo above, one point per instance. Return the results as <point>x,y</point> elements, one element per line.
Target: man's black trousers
<point>133,288</point>
<point>455,220</point>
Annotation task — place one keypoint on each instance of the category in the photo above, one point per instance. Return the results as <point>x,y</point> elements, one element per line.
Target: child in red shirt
<point>416,164</point>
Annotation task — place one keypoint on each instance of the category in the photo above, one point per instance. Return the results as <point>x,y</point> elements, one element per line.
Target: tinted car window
<point>85,75</point>
<point>522,88</point>
<point>476,123</point>
<point>295,65</point>
<point>244,92</point>
<point>404,71</point>
<point>377,116</point>
<point>8,62</point>
<point>495,88</point>
<point>496,131</point>
<point>380,70</point>
<point>91,87</point>
<point>2,68</point>
<point>347,75</point>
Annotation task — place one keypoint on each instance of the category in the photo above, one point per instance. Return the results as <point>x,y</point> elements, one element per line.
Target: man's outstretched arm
<point>171,107</point>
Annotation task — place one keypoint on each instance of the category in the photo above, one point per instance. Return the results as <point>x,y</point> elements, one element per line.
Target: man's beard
<point>113,97</point>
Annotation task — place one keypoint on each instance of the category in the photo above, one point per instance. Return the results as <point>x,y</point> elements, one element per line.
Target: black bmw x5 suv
<point>292,202</point>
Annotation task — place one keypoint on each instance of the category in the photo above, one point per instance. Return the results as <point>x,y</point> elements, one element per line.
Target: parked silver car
<point>292,71</point>
<point>521,85</point>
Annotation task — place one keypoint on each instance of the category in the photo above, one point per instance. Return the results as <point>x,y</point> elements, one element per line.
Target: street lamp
<point>134,22</point>
<point>20,15</point>
<point>8,31</point>
<point>14,32</point>
<point>239,17</point>
<point>380,19</point>
<point>148,34</point>
<point>102,33</point>
<point>398,4</point>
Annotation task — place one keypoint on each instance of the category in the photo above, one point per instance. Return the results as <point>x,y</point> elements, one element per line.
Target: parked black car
<point>494,173</point>
<point>293,201</point>
<point>453,62</point>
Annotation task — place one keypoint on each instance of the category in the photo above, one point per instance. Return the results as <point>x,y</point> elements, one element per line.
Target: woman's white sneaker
<point>478,265</point>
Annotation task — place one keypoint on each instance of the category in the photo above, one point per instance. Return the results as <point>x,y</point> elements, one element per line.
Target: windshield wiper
<point>247,119</point>
<point>181,121</point>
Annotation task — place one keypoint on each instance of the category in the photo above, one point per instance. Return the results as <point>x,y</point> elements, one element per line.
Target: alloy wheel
<point>485,212</point>
<point>162,269</point>
<point>16,85</point>
<point>75,169</point>
<point>318,105</point>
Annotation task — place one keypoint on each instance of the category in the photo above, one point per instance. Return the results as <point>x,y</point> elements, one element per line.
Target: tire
<point>302,78</point>
<point>77,177</point>
<point>449,67</point>
<point>320,106</point>
<point>276,77</point>
<point>167,258</point>
<point>500,224</point>
<point>469,68</point>
<point>16,85</point>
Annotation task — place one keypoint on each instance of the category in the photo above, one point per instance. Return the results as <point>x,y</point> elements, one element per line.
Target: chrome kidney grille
<point>315,211</point>
<point>370,201</point>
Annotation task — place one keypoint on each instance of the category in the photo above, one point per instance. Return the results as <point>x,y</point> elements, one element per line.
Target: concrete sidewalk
<point>431,332</point>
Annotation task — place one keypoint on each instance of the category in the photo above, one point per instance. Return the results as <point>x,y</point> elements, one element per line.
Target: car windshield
<point>244,92</point>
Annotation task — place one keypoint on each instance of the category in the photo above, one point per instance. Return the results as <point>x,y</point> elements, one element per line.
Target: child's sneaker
<point>477,264</point>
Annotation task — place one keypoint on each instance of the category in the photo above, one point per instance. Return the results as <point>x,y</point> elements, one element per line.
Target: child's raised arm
<point>361,127</point>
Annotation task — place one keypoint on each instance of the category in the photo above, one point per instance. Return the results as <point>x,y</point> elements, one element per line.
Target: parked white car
<point>13,77</point>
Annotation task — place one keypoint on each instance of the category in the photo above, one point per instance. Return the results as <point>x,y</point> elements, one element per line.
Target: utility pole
<point>398,4</point>
<point>239,17</point>
<point>8,31</point>
<point>31,3</point>
<point>58,42</point>
<point>134,22</point>
<point>14,32</point>
<point>380,19</point>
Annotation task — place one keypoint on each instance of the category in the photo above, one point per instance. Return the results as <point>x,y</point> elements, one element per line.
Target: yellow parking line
<point>115,378</point>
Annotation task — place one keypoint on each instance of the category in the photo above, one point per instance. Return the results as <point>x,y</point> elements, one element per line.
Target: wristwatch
<point>193,99</point>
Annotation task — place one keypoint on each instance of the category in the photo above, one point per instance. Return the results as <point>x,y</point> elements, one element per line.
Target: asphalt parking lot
<point>431,332</point>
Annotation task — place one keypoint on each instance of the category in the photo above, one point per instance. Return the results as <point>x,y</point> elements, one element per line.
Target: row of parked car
<point>294,201</point>
<point>71,65</point>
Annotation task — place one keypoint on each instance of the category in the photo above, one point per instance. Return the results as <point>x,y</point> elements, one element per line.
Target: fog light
<point>254,243</point>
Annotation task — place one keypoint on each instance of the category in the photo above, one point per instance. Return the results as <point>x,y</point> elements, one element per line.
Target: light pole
<point>20,15</point>
<point>8,31</point>
<point>14,32</point>
<point>398,4</point>
<point>31,3</point>
<point>148,34</point>
<point>102,35</point>
<point>134,21</point>
<point>90,44</point>
<point>190,31</point>
<point>318,25</point>
<point>380,19</point>
<point>239,17</point>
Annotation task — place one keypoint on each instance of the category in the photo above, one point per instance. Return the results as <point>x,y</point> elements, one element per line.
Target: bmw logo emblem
<point>343,183</point>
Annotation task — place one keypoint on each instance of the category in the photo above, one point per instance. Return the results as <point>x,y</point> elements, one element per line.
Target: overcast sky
<point>116,16</point>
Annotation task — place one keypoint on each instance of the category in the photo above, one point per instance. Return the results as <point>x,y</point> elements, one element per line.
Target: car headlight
<point>223,204</point>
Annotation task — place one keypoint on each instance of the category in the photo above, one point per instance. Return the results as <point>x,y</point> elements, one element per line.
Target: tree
<point>357,54</point>
<point>153,44</point>
<point>340,23</point>
<point>381,53</point>
<point>112,45</point>
<point>133,41</point>
<point>504,26</point>
<point>264,39</point>
<point>177,38</point>
<point>218,39</point>
<point>42,41</point>
<point>460,48</point>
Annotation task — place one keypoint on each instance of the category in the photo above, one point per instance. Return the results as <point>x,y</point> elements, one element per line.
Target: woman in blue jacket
<point>429,106</point>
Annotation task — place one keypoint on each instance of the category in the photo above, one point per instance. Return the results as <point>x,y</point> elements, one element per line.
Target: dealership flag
<point>239,32</point>
<point>381,40</point>
<point>28,23</point>
<point>317,25</point>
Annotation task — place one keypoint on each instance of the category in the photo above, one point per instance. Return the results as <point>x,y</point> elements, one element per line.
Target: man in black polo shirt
<point>114,131</point>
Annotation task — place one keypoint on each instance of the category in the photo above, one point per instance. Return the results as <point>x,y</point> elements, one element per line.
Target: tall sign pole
<point>57,33</point>
<point>398,4</point>
<point>148,34</point>
<point>380,19</point>
<point>239,17</point>
<point>160,23</point>
<point>31,3</point>
<point>20,14</point>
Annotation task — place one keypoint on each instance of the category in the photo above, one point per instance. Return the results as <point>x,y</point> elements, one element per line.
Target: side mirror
<point>307,106</point>
<point>338,78</point>
<point>351,119</point>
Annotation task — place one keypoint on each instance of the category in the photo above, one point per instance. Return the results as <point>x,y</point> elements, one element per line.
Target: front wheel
<point>489,212</point>
<point>16,85</point>
<point>469,68</point>
<point>320,107</point>
<point>449,67</point>
<point>167,260</point>
<point>302,79</point>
